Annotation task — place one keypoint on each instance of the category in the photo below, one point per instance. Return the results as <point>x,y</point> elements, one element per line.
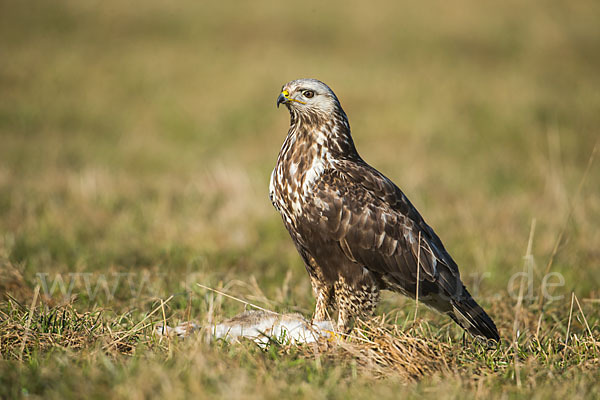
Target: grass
<point>136,145</point>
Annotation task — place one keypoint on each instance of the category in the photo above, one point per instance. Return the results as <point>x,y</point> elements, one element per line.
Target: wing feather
<point>378,228</point>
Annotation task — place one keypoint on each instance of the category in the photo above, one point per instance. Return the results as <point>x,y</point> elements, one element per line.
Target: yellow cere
<point>286,94</point>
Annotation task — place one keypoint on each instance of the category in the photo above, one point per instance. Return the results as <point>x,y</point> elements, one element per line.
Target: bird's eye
<point>308,94</point>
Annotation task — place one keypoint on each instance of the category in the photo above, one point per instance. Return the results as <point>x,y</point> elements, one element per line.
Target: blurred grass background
<point>139,137</point>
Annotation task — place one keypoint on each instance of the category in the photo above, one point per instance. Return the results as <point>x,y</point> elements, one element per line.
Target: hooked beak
<point>283,98</point>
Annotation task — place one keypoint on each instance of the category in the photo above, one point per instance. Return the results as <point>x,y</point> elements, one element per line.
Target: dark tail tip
<point>468,314</point>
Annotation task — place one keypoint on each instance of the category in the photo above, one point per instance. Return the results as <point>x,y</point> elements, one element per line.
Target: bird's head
<point>316,114</point>
<point>308,96</point>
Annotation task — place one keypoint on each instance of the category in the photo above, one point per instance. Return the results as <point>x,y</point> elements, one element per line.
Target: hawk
<point>355,230</point>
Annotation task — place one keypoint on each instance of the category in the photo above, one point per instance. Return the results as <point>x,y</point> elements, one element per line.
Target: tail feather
<point>468,314</point>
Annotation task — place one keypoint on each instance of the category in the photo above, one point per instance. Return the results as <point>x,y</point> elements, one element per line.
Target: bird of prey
<point>355,230</point>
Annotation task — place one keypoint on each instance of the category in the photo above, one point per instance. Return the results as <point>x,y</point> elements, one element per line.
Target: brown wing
<point>377,227</point>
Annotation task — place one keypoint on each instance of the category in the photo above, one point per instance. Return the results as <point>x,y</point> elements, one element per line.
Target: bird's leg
<point>355,301</point>
<point>323,295</point>
<point>344,306</point>
<point>323,301</point>
<point>344,318</point>
<point>369,300</point>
